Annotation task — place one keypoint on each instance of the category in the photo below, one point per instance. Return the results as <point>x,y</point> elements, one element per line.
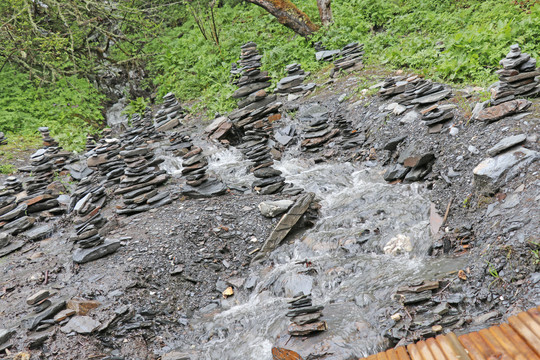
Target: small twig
<point>46,277</point>
<point>447,211</point>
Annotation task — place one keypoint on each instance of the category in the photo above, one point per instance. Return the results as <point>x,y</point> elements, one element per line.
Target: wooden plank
<point>474,351</point>
<point>480,343</point>
<point>535,314</point>
<point>402,353</point>
<point>446,347</point>
<point>424,351</point>
<point>372,357</point>
<point>381,356</point>
<point>458,348</point>
<point>413,352</point>
<point>506,343</point>
<point>494,344</point>
<point>392,354</point>
<point>518,342</point>
<point>530,338</point>
<point>435,349</point>
<point>529,321</point>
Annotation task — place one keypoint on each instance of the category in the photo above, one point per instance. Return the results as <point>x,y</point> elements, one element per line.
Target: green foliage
<point>195,68</point>
<point>453,41</point>
<point>7,169</point>
<point>70,107</point>
<point>136,106</point>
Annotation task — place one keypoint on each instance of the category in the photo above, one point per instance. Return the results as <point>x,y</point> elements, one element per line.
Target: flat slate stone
<point>428,99</point>
<point>81,325</point>
<point>206,189</point>
<point>33,321</point>
<point>506,143</point>
<point>493,172</point>
<point>82,256</point>
<point>495,113</point>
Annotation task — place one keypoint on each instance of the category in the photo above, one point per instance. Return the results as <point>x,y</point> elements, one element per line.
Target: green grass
<point>455,41</point>
<point>70,107</point>
<point>448,40</point>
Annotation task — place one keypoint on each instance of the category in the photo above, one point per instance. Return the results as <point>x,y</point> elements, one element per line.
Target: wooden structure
<point>519,339</point>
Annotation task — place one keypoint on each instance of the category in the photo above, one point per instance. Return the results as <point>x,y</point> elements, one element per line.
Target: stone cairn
<point>254,103</point>
<point>350,58</point>
<point>140,181</point>
<point>89,223</point>
<point>3,140</point>
<point>170,114</point>
<point>408,91</point>
<point>256,149</point>
<point>198,182</point>
<point>349,135</point>
<point>519,77</point>
<point>106,160</point>
<point>179,144</point>
<point>305,318</point>
<point>317,129</point>
<point>292,83</point>
<point>91,142</point>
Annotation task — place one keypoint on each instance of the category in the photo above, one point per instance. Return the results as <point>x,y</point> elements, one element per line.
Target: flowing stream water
<point>340,261</point>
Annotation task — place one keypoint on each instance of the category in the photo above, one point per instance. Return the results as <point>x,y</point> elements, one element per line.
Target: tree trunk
<point>289,15</point>
<point>325,11</point>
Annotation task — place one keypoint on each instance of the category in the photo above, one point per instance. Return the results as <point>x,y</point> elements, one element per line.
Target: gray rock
<point>15,213</point>
<point>431,98</point>
<point>33,321</point>
<point>326,55</point>
<point>274,208</point>
<point>394,142</point>
<point>82,256</point>
<point>410,117</point>
<point>38,233</point>
<point>4,239</point>
<point>396,172</point>
<point>207,189</point>
<point>493,172</point>
<point>507,143</point>
<point>37,297</point>
<point>11,247</point>
<point>176,355</point>
<point>5,335</point>
<point>81,325</point>
<point>286,224</point>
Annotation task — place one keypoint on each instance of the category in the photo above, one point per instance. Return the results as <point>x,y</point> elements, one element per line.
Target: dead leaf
<point>461,275</point>
<point>228,292</point>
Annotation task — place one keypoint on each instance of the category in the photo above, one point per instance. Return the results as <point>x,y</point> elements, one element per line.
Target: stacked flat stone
<point>255,148</point>
<point>349,135</point>
<point>292,83</point>
<point>13,218</point>
<point>88,219</point>
<point>3,140</point>
<point>317,129</point>
<point>254,103</point>
<point>12,186</point>
<point>106,160</point>
<point>413,90</point>
<point>91,142</point>
<point>54,151</point>
<point>42,169</point>
<point>305,318</point>
<point>437,114</point>
<point>170,114</point>
<point>350,57</point>
<point>179,144</point>
<point>142,129</point>
<point>139,184</point>
<point>519,77</point>
<point>198,182</point>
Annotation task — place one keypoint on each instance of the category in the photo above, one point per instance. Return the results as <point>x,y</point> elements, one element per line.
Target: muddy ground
<point>177,260</point>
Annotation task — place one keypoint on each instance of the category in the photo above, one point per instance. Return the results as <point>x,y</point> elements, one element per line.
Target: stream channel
<point>340,261</point>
